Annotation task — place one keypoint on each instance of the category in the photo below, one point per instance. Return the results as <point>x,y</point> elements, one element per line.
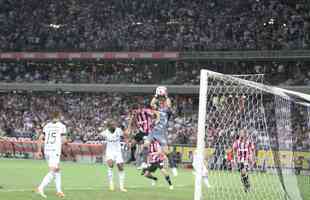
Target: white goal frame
<point>201,133</point>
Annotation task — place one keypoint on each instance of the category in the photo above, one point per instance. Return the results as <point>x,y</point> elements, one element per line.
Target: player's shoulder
<point>61,124</point>
<point>47,124</point>
<point>105,131</point>
<point>53,124</point>
<point>58,124</point>
<point>119,130</point>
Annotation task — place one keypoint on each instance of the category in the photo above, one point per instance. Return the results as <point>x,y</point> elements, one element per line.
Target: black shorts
<point>139,136</point>
<point>242,165</point>
<point>153,167</point>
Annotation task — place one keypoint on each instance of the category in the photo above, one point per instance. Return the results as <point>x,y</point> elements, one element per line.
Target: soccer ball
<point>161,91</point>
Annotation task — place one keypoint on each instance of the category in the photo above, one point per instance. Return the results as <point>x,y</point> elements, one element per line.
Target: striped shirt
<point>144,120</point>
<point>244,150</point>
<point>153,156</point>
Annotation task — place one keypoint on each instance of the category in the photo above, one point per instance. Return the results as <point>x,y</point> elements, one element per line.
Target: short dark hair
<point>135,106</point>
<point>111,123</point>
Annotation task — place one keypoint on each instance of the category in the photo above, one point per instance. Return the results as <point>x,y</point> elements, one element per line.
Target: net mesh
<point>270,122</point>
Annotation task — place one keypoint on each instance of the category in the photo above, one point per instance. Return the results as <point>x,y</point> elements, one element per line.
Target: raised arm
<point>157,116</point>
<point>168,102</point>
<point>128,130</point>
<point>154,103</point>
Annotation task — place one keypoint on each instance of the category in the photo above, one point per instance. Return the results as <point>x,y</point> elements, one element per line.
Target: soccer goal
<point>250,138</point>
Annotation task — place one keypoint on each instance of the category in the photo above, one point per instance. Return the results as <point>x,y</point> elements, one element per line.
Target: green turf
<point>88,182</point>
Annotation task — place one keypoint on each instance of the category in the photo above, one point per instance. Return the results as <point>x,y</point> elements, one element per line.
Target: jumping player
<point>243,148</point>
<point>156,159</point>
<point>162,104</point>
<point>53,134</point>
<point>113,153</point>
<point>141,121</point>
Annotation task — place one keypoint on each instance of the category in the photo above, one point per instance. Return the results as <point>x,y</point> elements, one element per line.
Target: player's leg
<point>58,183</point>
<point>167,177</point>
<point>55,162</point>
<point>54,172</point>
<point>121,173</point>
<point>167,162</point>
<point>46,180</point>
<point>147,172</point>
<point>143,155</point>
<point>205,176</point>
<point>173,166</point>
<point>244,177</point>
<point>161,137</point>
<point>110,173</point>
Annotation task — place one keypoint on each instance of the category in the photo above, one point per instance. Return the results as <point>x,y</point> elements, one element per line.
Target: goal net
<point>275,122</point>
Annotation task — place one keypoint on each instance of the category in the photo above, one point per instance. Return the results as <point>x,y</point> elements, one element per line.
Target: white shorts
<point>117,157</point>
<point>53,159</point>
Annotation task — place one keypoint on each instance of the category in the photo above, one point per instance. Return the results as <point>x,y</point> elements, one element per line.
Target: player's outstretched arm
<point>128,130</point>
<point>168,102</point>
<point>126,134</point>
<point>157,116</point>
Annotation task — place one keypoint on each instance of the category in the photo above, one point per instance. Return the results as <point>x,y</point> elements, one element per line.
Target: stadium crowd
<point>84,114</point>
<point>130,25</point>
<point>22,113</point>
<point>147,72</point>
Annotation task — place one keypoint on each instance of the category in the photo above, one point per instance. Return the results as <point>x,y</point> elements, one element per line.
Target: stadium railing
<point>204,55</point>
<point>126,88</point>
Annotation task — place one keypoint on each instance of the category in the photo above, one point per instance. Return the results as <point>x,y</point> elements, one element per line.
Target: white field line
<point>88,188</point>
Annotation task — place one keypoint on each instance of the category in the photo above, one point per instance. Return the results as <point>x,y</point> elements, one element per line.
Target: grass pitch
<point>18,178</point>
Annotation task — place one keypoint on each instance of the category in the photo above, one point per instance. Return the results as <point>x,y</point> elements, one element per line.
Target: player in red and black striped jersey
<point>141,123</point>
<point>243,150</point>
<point>156,159</point>
<point>143,119</point>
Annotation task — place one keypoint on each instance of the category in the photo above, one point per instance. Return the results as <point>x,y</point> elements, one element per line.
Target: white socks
<point>174,171</point>
<point>49,177</point>
<point>121,176</point>
<point>110,175</point>
<point>205,179</point>
<point>46,180</point>
<point>58,181</point>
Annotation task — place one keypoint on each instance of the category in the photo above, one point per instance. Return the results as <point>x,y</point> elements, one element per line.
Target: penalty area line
<point>88,188</point>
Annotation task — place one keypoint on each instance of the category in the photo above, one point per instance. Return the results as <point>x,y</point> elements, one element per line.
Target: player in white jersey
<point>113,153</point>
<point>204,172</point>
<point>53,133</point>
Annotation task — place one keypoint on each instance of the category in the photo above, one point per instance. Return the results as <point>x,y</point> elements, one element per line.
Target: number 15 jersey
<point>53,132</point>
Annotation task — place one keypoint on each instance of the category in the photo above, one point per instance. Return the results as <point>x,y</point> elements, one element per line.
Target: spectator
<point>121,72</point>
<point>176,25</point>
